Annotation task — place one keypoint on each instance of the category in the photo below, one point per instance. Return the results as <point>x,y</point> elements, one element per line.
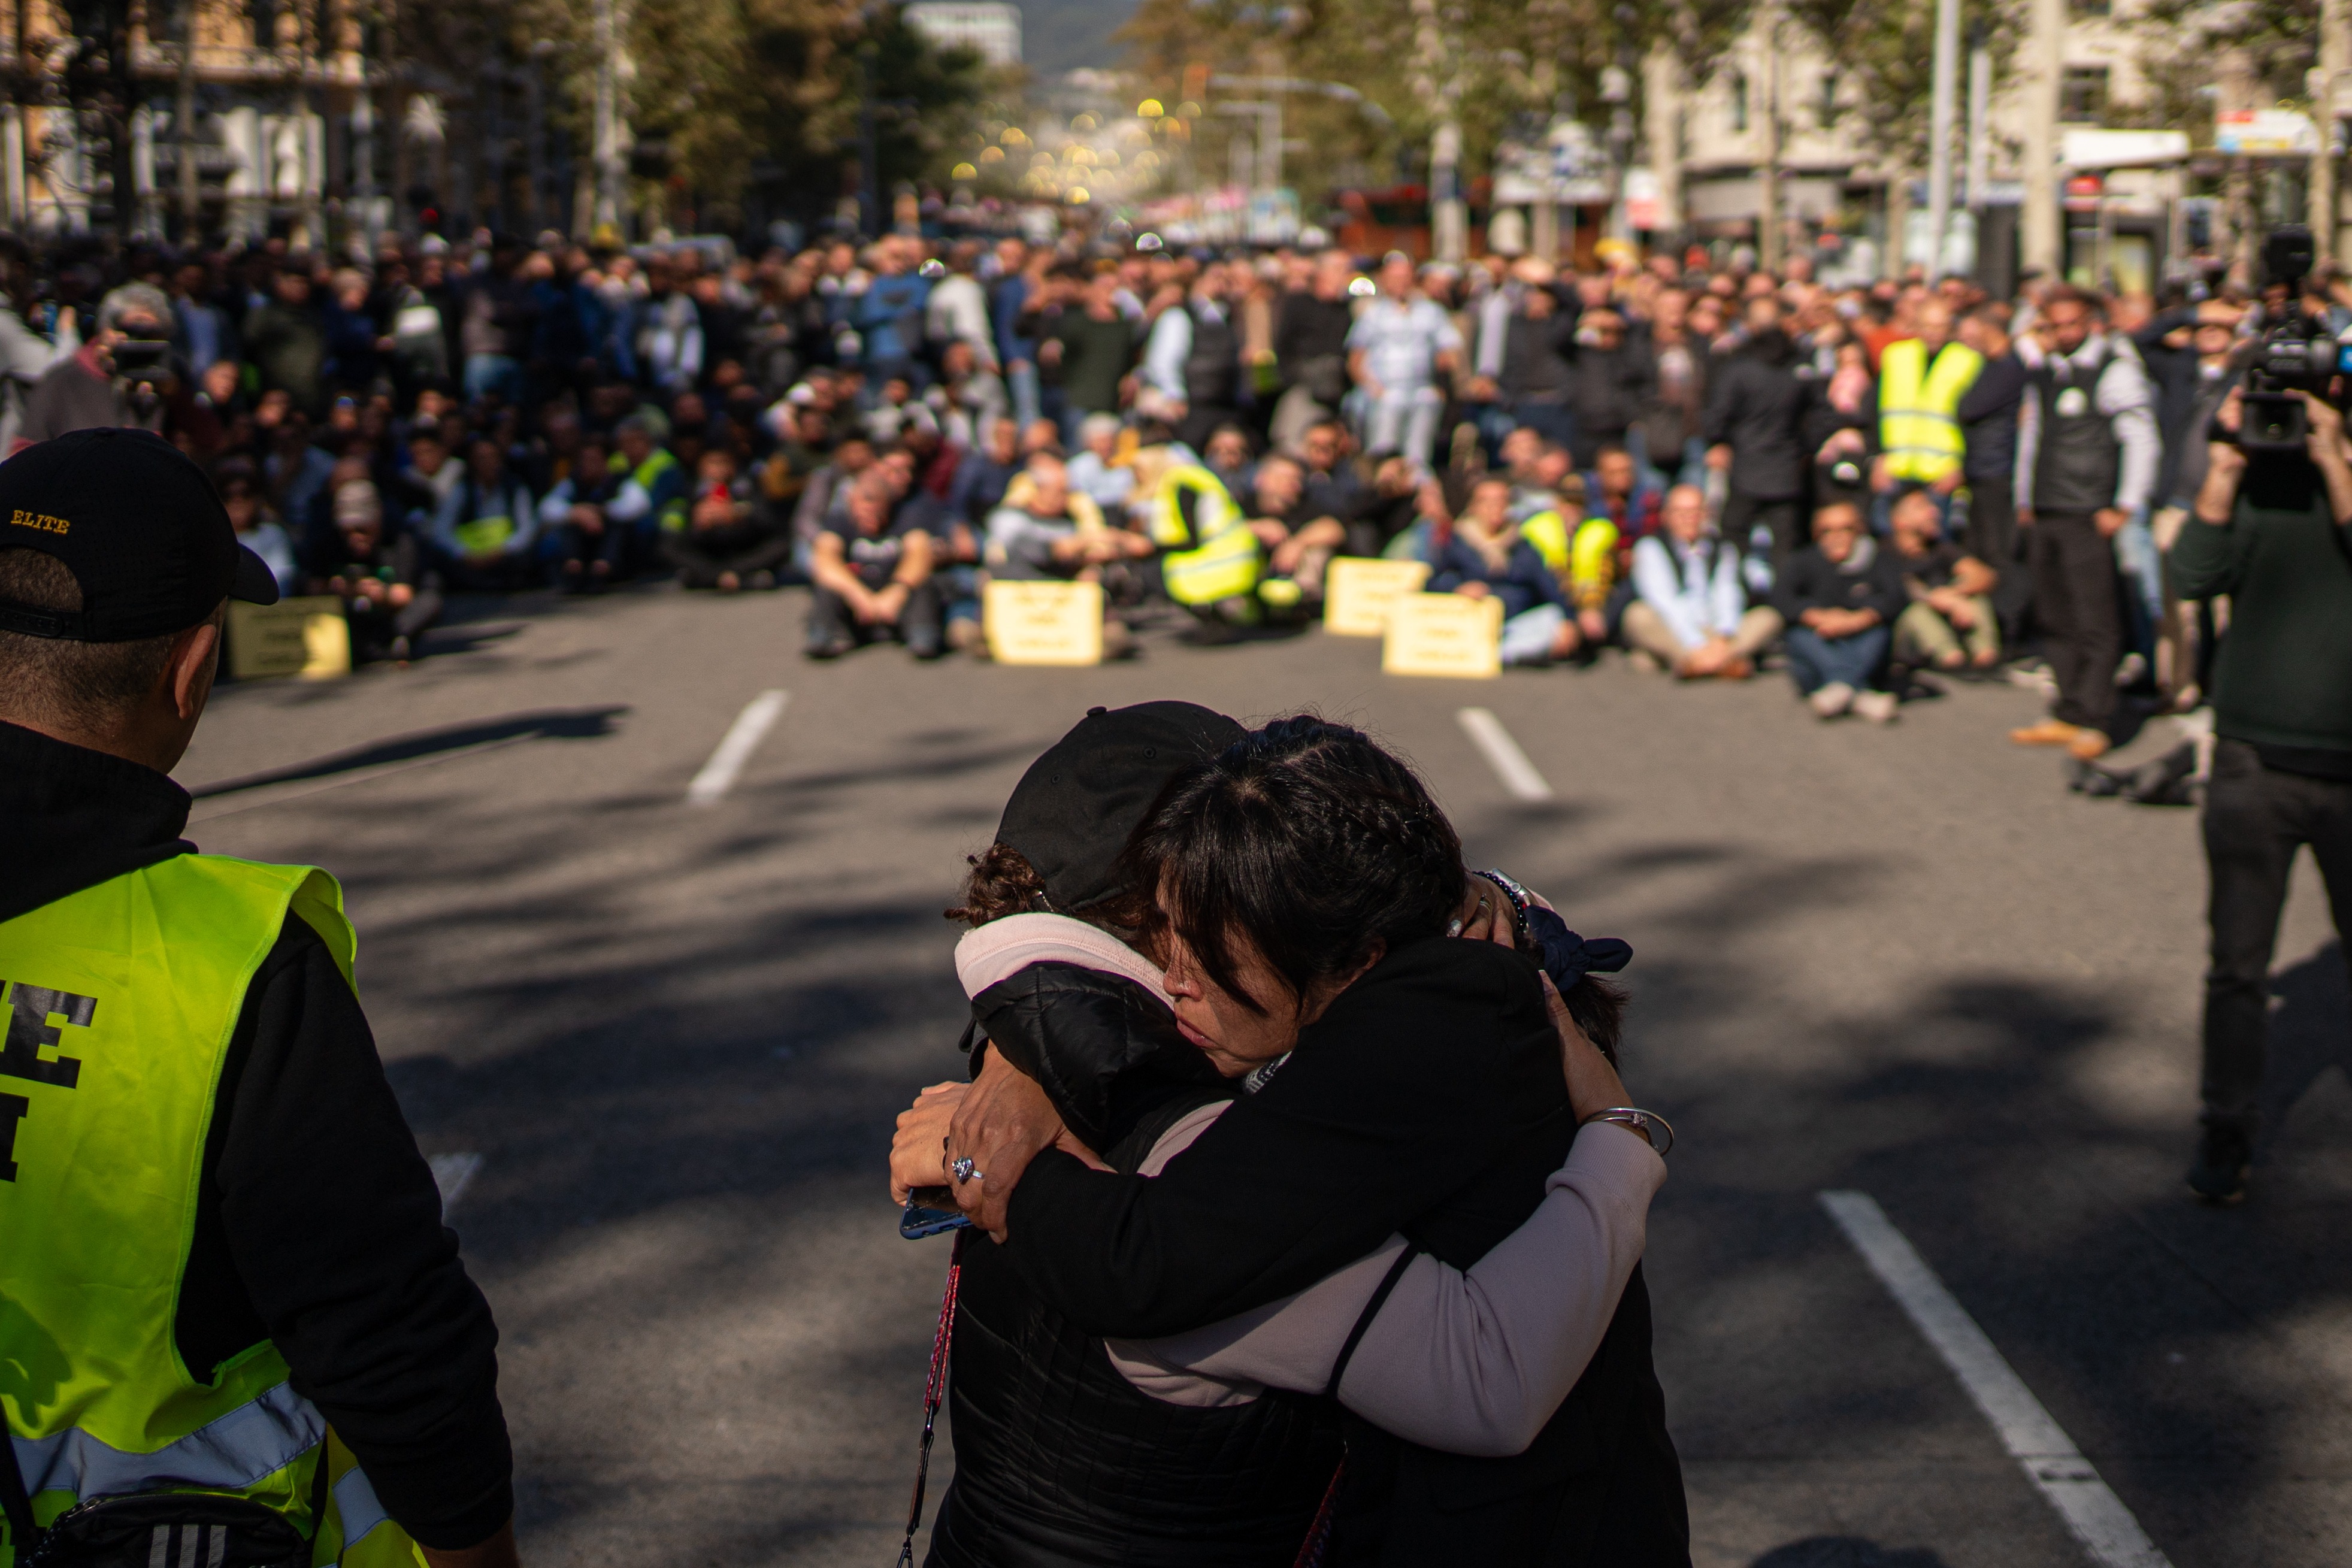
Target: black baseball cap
<point>139,527</point>
<point>1072,812</point>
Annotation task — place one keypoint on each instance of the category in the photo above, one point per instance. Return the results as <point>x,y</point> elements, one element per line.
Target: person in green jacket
<point>2274,533</point>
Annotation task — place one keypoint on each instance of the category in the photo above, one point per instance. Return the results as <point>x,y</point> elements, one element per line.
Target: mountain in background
<point>1058,35</point>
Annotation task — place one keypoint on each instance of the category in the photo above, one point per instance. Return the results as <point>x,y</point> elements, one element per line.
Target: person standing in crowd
<point>1538,373</point>
<point>103,383</point>
<point>1921,381</point>
<point>1690,612</point>
<point>1396,350</point>
<point>284,340</point>
<point>1084,338</point>
<point>2087,462</point>
<point>1610,383</point>
<point>1310,347</point>
<point>1192,362</point>
<point>1755,417</point>
<point>1839,597</point>
<point>2276,535</point>
<point>209,1198</point>
<point>1988,413</point>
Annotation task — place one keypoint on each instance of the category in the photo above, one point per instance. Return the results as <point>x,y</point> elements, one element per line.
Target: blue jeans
<point>1815,661</point>
<point>1021,376</point>
<point>493,375</point>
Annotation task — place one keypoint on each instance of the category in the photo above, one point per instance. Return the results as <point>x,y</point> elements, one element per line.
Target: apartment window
<point>264,15</point>
<point>1827,109</point>
<point>1738,102</point>
<point>2083,95</point>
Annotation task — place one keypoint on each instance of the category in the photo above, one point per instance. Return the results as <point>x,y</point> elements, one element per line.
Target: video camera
<point>142,359</point>
<point>2296,354</point>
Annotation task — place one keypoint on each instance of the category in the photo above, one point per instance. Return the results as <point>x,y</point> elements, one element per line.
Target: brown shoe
<point>2049,732</point>
<point>1736,669</point>
<point>2088,745</point>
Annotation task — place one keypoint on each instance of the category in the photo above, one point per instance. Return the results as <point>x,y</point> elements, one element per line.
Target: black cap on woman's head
<point>139,526</point>
<point>1072,812</point>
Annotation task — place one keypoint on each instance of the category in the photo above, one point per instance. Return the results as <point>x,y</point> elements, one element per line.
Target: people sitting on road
<point>380,582</point>
<point>486,535</point>
<point>1691,612</point>
<point>1227,455</point>
<point>1581,548</point>
<point>1487,555</point>
<point>729,543</point>
<point>872,573</point>
<point>1839,596</point>
<point>652,497</point>
<point>1949,622</point>
<point>589,549</point>
<point>256,529</point>
<point>1048,532</point>
<point>1627,494</point>
<point>1095,472</point>
<point>1298,544</point>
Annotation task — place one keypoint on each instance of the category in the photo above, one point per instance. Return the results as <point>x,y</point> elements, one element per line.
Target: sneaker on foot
<point>832,648</point>
<point>1832,699</point>
<point>2049,732</point>
<point>1878,707</point>
<point>2224,1152</point>
<point>2088,745</point>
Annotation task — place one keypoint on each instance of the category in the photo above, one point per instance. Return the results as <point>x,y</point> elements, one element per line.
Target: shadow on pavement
<point>1843,1552</point>
<point>2308,1035</point>
<point>554,723</point>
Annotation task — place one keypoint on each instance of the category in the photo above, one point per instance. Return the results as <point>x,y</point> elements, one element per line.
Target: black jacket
<point>1426,1099</point>
<point>318,1224</point>
<point>1809,580</point>
<point>1059,1459</point>
<point>1756,403</point>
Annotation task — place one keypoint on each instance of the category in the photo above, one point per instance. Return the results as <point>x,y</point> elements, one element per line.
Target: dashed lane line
<point>2097,1518</point>
<point>1510,763</point>
<point>453,1174</point>
<point>735,748</point>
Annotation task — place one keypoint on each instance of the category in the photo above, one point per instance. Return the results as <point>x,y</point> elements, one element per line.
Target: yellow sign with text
<point>1359,593</point>
<point>306,636</point>
<point>1043,622</point>
<point>1444,633</point>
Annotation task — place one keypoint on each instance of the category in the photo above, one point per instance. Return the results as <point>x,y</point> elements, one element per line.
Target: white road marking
<point>452,1173</point>
<point>735,749</point>
<point>2097,1518</point>
<point>1510,763</point>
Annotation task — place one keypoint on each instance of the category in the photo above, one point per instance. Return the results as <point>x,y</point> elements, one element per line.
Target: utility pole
<point>2334,64</point>
<point>608,116</point>
<point>1436,81</point>
<point>2046,46</point>
<point>1941,115</point>
<point>2239,88</point>
<point>184,121</point>
<point>1662,113</point>
<point>1768,222</point>
<point>1979,120</point>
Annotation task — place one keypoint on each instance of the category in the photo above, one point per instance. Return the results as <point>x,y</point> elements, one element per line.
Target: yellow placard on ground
<point>306,636</point>
<point>1043,622</point>
<point>1444,633</point>
<point>1359,593</point>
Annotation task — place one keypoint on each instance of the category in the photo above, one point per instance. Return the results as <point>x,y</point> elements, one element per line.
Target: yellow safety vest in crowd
<point>120,1002</point>
<point>1585,563</point>
<point>1918,407</point>
<point>1213,557</point>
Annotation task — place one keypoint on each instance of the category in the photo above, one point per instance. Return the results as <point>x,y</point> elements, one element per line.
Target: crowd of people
<point>1709,466</point>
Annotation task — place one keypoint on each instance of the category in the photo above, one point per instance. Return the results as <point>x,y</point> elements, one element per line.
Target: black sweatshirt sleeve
<point>333,1224</point>
<point>1415,1079</point>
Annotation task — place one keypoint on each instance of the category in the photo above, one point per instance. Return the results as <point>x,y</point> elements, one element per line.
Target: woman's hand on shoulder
<point>1486,914</point>
<point>1003,1124</point>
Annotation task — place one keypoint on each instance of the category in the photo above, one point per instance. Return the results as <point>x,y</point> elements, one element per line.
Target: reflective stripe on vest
<point>1918,407</point>
<point>1212,556</point>
<point>121,1001</point>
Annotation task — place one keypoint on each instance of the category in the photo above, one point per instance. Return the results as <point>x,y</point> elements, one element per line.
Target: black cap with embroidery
<point>1072,812</point>
<point>139,526</point>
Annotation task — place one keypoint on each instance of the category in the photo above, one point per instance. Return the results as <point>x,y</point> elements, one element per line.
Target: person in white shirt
<point>1091,472</point>
<point>1395,352</point>
<point>1691,614</point>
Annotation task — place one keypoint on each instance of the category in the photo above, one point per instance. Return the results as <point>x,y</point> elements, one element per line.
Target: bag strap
<point>24,1535</point>
<point>1364,1319</point>
<point>934,1390</point>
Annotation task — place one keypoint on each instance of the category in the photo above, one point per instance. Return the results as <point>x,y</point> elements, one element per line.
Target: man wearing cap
<point>221,1255</point>
<point>123,375</point>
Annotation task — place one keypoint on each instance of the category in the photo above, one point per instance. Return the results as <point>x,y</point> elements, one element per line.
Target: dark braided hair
<point>1003,882</point>
<point>1305,840</point>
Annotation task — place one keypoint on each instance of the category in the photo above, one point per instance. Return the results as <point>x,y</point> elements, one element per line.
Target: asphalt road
<point>1903,963</point>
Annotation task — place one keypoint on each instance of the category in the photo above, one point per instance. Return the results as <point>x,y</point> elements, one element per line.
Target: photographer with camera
<point>2272,528</point>
<point>124,376</point>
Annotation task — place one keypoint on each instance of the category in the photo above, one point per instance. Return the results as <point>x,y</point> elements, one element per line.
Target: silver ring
<point>962,1171</point>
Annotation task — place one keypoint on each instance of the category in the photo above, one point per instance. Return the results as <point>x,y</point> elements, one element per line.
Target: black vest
<point>2079,458</point>
<point>1062,1463</point>
<point>1213,370</point>
<point>1601,1485</point>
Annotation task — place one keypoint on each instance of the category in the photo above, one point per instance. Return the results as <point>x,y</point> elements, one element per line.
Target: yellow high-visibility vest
<point>1213,557</point>
<point>1918,407</point>
<point>122,1000</point>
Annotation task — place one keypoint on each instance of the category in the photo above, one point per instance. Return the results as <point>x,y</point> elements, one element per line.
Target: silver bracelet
<point>1648,1123</point>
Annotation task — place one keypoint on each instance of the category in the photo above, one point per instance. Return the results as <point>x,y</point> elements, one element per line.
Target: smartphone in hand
<point>931,1211</point>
